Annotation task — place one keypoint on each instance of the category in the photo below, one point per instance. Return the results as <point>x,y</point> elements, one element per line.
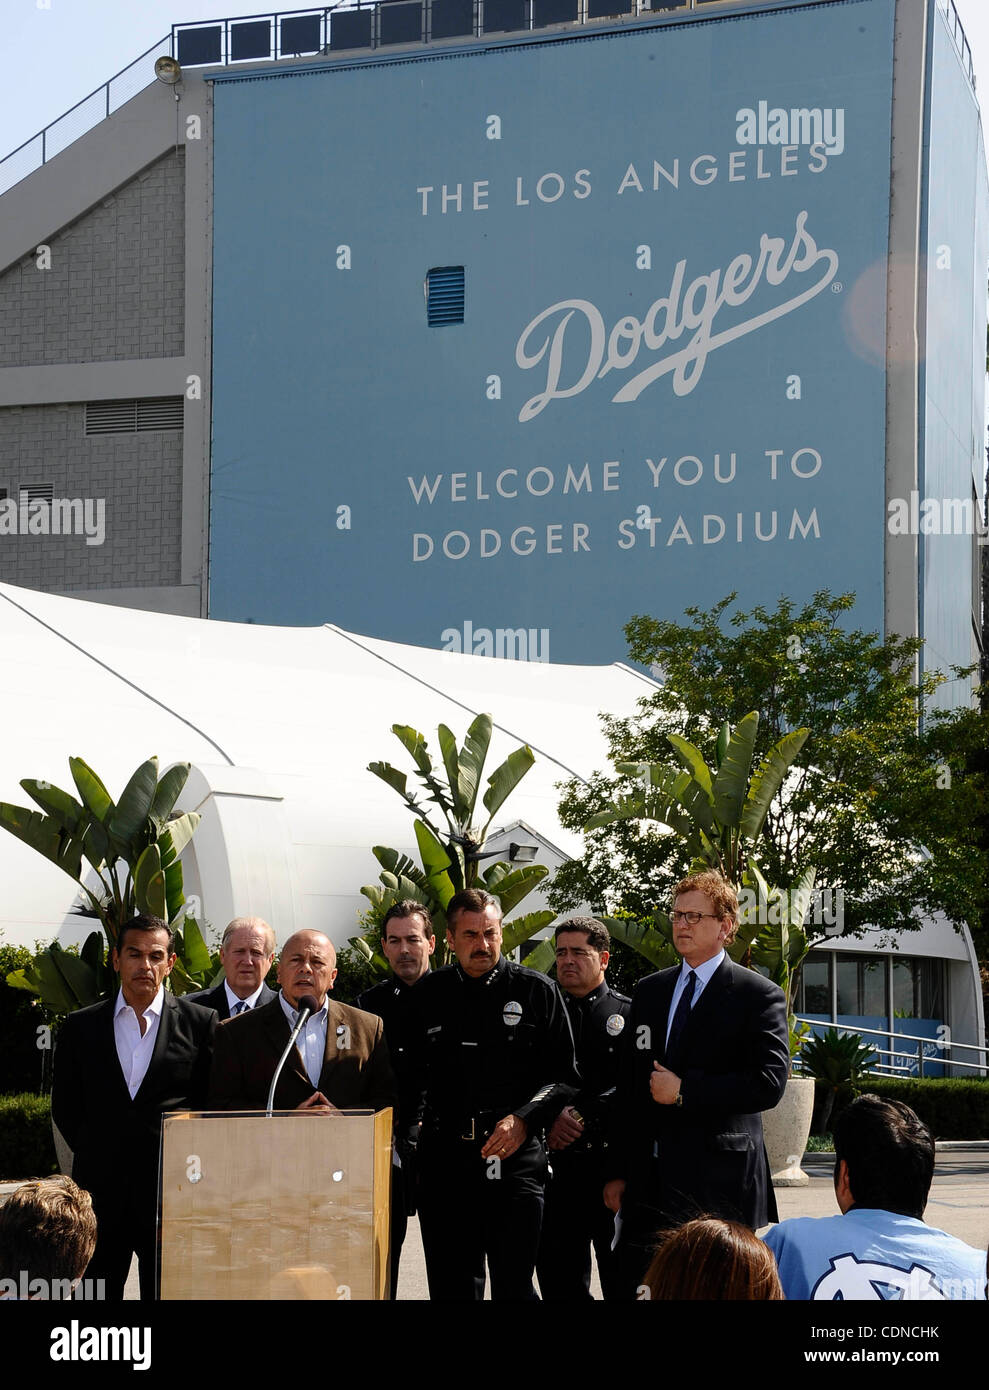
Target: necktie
<point>680,1021</point>
<point>239,1008</point>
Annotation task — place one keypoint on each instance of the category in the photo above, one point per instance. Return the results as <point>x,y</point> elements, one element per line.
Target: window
<point>918,986</point>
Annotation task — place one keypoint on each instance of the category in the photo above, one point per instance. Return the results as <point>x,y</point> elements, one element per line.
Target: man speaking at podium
<point>340,1061</point>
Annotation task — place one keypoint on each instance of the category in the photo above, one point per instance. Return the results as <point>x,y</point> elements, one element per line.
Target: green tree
<point>871,806</point>
<point>718,813</point>
<point>132,846</point>
<point>451,845</point>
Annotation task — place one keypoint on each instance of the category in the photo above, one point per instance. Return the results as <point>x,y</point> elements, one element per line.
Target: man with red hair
<point>707,1051</point>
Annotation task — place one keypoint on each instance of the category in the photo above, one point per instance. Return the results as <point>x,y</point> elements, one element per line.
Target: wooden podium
<point>295,1206</point>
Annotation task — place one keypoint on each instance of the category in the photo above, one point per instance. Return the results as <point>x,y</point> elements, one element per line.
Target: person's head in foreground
<point>712,1259</point>
<point>47,1231</point>
<point>884,1157</point>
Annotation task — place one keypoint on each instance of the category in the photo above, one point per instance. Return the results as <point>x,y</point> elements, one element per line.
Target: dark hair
<point>890,1155</point>
<point>715,1259</point>
<point>470,900</point>
<point>408,907</point>
<point>595,931</point>
<point>47,1229</point>
<point>145,922</point>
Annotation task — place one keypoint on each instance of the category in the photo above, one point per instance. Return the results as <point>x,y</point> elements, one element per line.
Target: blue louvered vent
<point>445,295</point>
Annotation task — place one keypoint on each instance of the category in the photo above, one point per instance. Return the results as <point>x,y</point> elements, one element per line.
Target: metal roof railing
<point>82,117</point>
<point>947,8</point>
<point>925,1050</point>
<point>278,34</point>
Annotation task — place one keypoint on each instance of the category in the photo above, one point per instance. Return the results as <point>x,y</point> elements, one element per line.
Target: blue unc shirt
<point>871,1254</point>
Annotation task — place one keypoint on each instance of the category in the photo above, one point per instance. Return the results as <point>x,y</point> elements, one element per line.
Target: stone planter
<point>786,1129</point>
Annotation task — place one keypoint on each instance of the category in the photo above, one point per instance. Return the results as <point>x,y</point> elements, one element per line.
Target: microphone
<point>307,1005</point>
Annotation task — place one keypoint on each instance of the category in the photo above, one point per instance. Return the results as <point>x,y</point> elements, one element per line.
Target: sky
<point>58,51</point>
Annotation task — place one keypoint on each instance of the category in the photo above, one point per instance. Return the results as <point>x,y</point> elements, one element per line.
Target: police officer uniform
<point>483,1049</point>
<point>389,1000</point>
<point>575,1214</point>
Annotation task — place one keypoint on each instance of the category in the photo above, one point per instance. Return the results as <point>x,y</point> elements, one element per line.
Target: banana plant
<point>653,939</point>
<point>456,795</point>
<point>720,813</point>
<point>781,945</point>
<point>450,846</point>
<point>133,847</point>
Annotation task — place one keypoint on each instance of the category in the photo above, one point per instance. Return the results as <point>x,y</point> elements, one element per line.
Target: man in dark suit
<point>340,1061</point>
<point>707,1051</point>
<point>119,1065</point>
<point>408,941</point>
<point>246,953</point>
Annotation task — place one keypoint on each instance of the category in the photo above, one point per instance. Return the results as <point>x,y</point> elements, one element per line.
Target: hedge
<point>27,1149</point>
<point>952,1108</point>
<point>20,1018</point>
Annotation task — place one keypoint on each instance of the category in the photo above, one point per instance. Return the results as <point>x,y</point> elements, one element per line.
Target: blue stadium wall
<point>669,381</point>
<point>953,462</point>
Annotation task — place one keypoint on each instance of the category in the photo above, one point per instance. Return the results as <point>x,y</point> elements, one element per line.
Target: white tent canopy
<point>279,725</point>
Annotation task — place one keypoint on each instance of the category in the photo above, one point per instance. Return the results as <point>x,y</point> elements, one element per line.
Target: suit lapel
<point>278,1029</point>
<point>664,1000</point>
<point>331,1052</point>
<point>114,1072</point>
<point>159,1052</point>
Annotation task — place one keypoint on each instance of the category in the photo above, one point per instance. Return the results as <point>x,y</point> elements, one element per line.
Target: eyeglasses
<point>691,918</point>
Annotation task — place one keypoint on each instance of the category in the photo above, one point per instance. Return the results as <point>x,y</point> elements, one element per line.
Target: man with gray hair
<point>246,954</point>
<point>340,1061</point>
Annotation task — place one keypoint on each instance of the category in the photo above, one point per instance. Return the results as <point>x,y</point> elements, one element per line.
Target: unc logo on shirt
<point>852,1278</point>
<point>614,1025</point>
<point>512,1014</point>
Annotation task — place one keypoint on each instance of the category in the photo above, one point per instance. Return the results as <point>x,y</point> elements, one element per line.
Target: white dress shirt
<point>232,1000</point>
<point>311,1042</point>
<point>703,973</point>
<point>133,1051</point>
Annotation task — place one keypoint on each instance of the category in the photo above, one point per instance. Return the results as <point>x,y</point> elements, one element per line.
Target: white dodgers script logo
<point>693,309</point>
<point>850,1278</point>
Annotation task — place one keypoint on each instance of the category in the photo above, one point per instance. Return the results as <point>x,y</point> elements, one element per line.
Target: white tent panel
<point>279,724</point>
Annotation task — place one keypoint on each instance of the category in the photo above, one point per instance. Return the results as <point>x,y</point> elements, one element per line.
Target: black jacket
<point>115,1140</point>
<point>706,1155</point>
<point>497,1046</point>
<point>598,1023</point>
<point>216,998</point>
